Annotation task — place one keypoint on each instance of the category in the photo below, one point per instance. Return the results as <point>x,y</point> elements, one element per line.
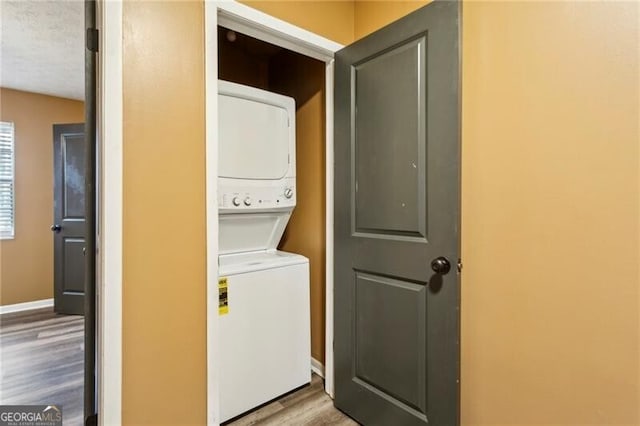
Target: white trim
<point>252,22</point>
<point>211,154</point>
<point>264,27</point>
<point>110,123</point>
<point>329,153</point>
<point>317,367</point>
<point>26,306</point>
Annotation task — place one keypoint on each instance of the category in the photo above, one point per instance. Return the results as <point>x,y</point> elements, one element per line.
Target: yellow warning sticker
<point>223,296</point>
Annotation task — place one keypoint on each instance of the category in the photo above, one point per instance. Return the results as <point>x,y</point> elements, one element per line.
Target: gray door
<point>397,148</point>
<point>69,148</point>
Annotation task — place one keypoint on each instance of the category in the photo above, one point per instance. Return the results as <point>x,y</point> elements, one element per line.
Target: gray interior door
<point>69,149</point>
<point>397,148</point>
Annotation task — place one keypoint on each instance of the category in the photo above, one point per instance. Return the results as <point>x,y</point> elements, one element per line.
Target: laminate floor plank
<point>42,361</point>
<point>254,417</point>
<point>308,406</point>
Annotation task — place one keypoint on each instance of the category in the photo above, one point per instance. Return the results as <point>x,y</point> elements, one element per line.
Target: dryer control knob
<point>236,201</point>
<point>247,201</point>
<point>288,192</point>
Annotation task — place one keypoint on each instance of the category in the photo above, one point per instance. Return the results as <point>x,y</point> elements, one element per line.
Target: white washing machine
<point>264,337</point>
<point>264,306</point>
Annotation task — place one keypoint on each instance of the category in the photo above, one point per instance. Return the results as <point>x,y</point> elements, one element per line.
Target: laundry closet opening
<point>252,62</point>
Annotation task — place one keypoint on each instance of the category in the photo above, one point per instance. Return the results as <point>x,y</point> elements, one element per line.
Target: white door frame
<point>109,261</point>
<point>259,25</point>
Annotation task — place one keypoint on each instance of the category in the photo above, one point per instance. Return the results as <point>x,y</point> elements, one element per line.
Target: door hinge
<point>92,39</point>
<point>459,265</point>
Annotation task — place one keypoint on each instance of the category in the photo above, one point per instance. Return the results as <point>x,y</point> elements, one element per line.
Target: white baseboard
<point>19,307</point>
<point>317,367</point>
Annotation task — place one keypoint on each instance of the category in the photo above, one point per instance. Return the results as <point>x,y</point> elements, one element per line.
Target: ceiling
<point>42,47</point>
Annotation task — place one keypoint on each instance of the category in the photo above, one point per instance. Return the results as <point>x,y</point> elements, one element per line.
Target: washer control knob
<point>247,201</point>
<point>288,192</point>
<point>236,201</point>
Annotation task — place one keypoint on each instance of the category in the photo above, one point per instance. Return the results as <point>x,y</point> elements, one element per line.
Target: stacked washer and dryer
<point>265,314</point>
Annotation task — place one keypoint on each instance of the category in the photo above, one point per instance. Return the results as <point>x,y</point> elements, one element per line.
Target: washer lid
<point>233,264</point>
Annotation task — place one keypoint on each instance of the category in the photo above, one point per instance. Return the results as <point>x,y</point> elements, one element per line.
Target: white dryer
<point>264,310</point>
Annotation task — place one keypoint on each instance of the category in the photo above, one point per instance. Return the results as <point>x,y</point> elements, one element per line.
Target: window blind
<point>7,165</point>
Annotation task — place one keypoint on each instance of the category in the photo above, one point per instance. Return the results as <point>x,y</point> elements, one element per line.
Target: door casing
<point>109,180</point>
<point>264,27</point>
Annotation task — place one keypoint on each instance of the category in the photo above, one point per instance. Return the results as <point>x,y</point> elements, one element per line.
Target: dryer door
<point>254,139</point>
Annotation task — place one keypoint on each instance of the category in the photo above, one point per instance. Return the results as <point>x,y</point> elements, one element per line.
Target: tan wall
<point>373,15</point>
<point>304,79</point>
<point>164,365</point>
<point>331,19</point>
<point>27,260</point>
<point>550,235</point>
<point>550,213</point>
<point>550,210</point>
<point>164,269</point>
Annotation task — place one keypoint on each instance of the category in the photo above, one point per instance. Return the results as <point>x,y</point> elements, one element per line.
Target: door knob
<point>440,265</point>
<point>56,228</point>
